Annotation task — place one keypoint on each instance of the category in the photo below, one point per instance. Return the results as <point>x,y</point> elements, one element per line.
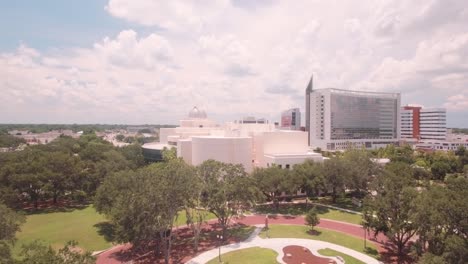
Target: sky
<point>151,61</point>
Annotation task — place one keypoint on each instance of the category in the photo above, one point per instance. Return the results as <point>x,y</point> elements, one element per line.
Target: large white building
<point>423,123</point>
<point>252,144</point>
<point>338,119</point>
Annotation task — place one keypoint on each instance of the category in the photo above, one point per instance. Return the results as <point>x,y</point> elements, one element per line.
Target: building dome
<point>196,113</point>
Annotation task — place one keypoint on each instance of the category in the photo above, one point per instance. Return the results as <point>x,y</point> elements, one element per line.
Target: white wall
<point>235,150</point>
<point>184,150</point>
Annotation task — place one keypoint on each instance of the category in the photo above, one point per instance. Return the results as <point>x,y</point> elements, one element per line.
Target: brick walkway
<point>111,256</point>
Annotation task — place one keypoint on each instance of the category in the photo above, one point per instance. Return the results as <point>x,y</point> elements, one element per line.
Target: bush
<point>79,196</point>
<point>312,218</point>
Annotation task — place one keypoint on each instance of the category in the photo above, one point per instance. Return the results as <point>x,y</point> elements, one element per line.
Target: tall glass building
<point>343,118</point>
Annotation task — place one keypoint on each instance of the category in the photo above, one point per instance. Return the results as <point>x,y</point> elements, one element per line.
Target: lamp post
<point>220,238</point>
<point>365,238</point>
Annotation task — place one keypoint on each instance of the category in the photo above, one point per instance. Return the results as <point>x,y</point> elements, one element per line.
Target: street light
<point>220,238</point>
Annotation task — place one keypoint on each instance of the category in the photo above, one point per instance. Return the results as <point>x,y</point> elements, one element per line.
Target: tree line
<point>65,170</point>
<point>143,201</point>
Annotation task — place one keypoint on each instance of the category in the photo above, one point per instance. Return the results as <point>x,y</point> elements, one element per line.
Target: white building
<point>342,118</point>
<point>423,123</point>
<point>433,123</point>
<point>252,144</point>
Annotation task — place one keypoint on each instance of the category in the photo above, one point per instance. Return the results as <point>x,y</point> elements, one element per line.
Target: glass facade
<point>363,115</point>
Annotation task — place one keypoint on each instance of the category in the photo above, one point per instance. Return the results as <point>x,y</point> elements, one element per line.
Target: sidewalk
<point>277,244</point>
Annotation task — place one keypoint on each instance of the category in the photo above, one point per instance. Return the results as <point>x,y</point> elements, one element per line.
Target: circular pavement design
<point>277,244</point>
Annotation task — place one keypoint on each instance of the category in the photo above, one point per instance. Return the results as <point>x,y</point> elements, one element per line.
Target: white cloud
<point>457,102</point>
<point>237,58</point>
<point>176,15</point>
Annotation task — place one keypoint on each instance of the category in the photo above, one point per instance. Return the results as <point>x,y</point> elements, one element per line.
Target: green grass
<point>300,209</point>
<point>56,228</point>
<point>255,255</point>
<point>345,202</point>
<point>182,218</point>
<point>333,253</point>
<point>86,226</point>
<point>338,215</point>
<point>297,231</point>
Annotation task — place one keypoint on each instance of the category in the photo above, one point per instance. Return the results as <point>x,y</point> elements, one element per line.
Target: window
<point>287,166</point>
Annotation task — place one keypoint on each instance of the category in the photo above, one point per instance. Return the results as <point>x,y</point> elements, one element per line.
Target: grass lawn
<point>345,202</point>
<point>295,231</point>
<point>255,255</point>
<point>90,229</point>
<point>333,253</point>
<point>56,228</point>
<point>300,209</point>
<point>182,218</point>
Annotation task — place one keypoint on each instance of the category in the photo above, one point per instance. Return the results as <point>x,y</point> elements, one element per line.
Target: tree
<point>169,153</point>
<point>134,154</point>
<point>360,169</point>
<point>335,172</point>
<point>60,169</point>
<point>227,188</point>
<point>390,210</point>
<point>308,177</point>
<point>439,169</point>
<point>9,224</point>
<point>272,182</point>
<point>312,218</point>
<point>146,208</point>
<point>37,253</point>
<point>120,137</point>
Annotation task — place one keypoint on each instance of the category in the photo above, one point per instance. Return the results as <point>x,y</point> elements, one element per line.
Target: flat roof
<point>157,145</point>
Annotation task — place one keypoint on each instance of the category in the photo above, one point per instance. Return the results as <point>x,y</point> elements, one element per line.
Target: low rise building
<point>252,144</point>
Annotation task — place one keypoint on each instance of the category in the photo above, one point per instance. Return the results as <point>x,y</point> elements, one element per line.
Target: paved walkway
<point>277,244</point>
<point>108,257</point>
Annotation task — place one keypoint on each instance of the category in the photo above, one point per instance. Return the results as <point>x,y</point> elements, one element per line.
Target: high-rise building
<point>423,123</point>
<point>307,112</point>
<point>291,119</point>
<point>343,118</point>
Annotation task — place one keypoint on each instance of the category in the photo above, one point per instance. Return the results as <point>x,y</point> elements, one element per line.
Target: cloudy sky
<point>151,61</point>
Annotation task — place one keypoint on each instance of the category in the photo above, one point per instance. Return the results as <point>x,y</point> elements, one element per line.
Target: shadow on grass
<point>371,251</point>
<point>54,208</point>
<point>314,232</point>
<point>107,230</point>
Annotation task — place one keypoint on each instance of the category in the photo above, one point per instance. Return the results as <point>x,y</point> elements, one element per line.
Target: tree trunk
<point>55,197</point>
<point>224,231</point>
<point>334,194</point>
<point>195,242</point>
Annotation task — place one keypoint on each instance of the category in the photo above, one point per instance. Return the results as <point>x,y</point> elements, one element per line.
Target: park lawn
<point>255,255</point>
<point>338,215</point>
<point>182,218</point>
<point>56,228</point>
<point>90,229</point>
<point>301,209</point>
<point>322,234</point>
<point>333,253</point>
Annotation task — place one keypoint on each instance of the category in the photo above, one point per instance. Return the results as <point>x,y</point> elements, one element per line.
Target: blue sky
<point>151,61</point>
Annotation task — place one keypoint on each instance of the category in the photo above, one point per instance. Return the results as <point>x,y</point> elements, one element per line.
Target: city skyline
<point>137,62</point>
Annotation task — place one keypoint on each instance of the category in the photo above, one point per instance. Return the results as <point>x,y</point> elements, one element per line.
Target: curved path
<point>109,256</point>
<point>277,244</point>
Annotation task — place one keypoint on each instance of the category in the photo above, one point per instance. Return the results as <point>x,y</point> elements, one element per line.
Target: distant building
<point>423,123</point>
<point>337,119</point>
<point>308,92</point>
<point>250,142</point>
<point>291,119</point>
